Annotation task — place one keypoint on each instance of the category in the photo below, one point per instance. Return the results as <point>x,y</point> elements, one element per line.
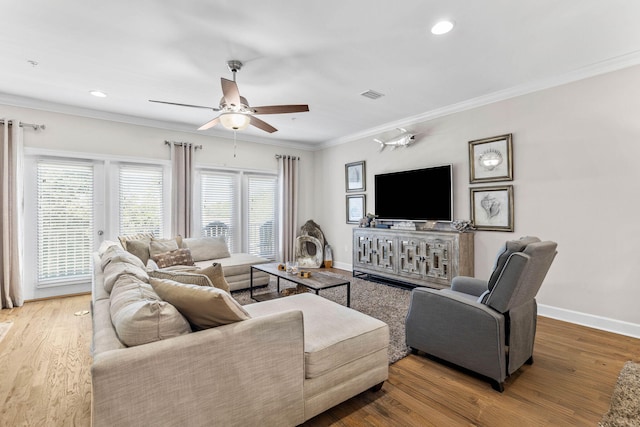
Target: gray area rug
<point>386,303</point>
<point>624,409</point>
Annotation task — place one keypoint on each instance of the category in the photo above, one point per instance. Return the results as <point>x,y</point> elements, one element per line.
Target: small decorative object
<point>462,225</point>
<point>328,256</point>
<point>492,208</point>
<point>403,140</point>
<point>354,176</point>
<point>304,274</point>
<point>281,267</point>
<point>292,267</point>
<point>310,245</point>
<point>368,220</point>
<point>355,208</point>
<point>490,159</point>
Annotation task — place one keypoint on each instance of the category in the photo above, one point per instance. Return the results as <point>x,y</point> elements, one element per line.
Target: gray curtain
<point>11,226</point>
<point>182,188</point>
<point>288,167</point>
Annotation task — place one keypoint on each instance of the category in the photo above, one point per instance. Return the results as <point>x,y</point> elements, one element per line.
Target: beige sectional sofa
<point>284,362</point>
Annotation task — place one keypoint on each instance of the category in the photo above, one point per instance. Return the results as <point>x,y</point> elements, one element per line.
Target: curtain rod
<point>21,124</point>
<point>180,144</point>
<point>286,156</point>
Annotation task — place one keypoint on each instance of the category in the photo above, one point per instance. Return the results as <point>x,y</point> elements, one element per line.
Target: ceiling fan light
<point>235,121</point>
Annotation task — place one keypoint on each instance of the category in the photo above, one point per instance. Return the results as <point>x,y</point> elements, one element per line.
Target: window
<point>219,206</point>
<point>261,215</point>
<point>65,220</point>
<point>141,201</point>
<point>241,206</point>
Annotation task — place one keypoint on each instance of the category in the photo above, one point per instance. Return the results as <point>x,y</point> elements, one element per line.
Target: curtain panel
<point>11,225</point>
<point>288,180</point>
<point>182,188</point>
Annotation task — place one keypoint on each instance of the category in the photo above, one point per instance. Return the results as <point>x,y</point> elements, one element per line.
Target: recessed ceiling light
<point>442,27</point>
<point>98,93</point>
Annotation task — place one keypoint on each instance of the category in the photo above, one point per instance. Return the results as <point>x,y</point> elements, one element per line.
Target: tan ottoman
<point>345,351</point>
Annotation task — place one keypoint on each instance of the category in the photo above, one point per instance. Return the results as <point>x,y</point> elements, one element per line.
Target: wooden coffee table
<point>316,282</point>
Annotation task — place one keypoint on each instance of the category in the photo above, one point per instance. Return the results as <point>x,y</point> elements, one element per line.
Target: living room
<point>573,144</point>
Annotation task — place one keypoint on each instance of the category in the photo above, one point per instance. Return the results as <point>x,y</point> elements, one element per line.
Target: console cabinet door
<point>374,251</point>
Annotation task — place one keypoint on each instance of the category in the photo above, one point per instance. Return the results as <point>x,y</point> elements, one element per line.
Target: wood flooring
<point>45,378</point>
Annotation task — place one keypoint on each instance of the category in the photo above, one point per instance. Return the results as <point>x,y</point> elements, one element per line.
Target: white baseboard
<point>590,320</point>
<point>584,319</point>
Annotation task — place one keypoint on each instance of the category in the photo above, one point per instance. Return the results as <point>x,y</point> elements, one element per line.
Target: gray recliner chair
<point>485,326</point>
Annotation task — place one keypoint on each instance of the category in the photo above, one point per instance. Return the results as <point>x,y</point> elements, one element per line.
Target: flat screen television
<point>415,195</point>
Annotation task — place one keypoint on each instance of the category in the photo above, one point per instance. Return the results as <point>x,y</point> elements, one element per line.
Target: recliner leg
<point>497,386</point>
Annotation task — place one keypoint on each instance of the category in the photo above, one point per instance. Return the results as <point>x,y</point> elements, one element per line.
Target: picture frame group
<point>355,182</point>
<point>491,160</point>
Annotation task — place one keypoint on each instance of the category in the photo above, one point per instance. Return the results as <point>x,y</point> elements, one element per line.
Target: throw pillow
<point>204,306</point>
<point>216,276</point>
<point>214,273</point>
<point>205,248</point>
<point>158,246</point>
<point>139,316</point>
<point>180,256</point>
<point>116,254</point>
<point>139,236</point>
<point>182,277</point>
<point>139,248</point>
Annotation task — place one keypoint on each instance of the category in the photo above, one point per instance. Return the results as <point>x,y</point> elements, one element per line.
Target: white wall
<point>577,182</point>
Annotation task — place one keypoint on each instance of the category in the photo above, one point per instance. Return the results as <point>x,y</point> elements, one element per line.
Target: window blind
<point>261,215</point>
<point>141,199</point>
<point>219,206</point>
<point>65,221</point>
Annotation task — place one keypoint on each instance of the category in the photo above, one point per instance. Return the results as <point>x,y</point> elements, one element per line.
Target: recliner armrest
<point>469,285</point>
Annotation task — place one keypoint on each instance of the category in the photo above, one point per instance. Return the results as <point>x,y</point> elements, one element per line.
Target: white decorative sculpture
<point>310,246</point>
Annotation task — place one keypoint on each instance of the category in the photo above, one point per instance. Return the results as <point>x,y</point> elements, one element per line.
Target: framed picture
<point>492,208</point>
<point>356,206</point>
<point>490,159</point>
<point>354,176</point>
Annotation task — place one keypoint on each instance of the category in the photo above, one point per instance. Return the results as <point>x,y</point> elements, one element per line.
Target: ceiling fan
<point>235,111</point>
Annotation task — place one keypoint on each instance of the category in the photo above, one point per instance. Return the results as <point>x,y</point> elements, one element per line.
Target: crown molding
<point>603,67</point>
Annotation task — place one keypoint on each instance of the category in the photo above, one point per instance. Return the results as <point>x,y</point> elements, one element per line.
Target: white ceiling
<point>321,53</point>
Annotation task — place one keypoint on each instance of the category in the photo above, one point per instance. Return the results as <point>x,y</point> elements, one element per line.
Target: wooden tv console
<point>416,258</point>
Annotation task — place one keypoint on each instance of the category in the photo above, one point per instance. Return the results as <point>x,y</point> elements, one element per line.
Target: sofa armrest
<point>245,373</point>
<point>457,329</point>
<point>469,285</point>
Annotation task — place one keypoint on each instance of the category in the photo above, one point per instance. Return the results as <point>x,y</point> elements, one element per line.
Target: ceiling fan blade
<point>262,125</point>
<point>230,92</point>
<point>185,105</point>
<point>280,109</point>
<point>210,124</point>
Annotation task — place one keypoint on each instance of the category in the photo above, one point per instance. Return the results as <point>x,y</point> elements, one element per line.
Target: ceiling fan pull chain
<point>234,144</point>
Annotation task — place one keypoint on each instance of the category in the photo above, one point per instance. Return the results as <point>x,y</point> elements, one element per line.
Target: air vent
<point>372,94</point>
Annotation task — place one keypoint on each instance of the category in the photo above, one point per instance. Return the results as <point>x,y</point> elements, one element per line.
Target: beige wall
<point>577,181</point>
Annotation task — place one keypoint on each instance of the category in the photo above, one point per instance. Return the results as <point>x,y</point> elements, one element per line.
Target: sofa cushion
<point>205,307</point>
<point>139,316</point>
<point>180,256</point>
<point>140,236</point>
<point>114,270</point>
<point>334,335</point>
<point>237,263</point>
<point>205,248</point>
